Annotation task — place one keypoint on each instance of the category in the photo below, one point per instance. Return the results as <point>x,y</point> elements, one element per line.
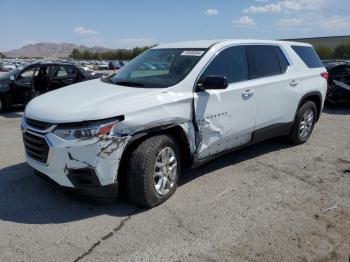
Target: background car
<point>19,86</point>
<point>101,66</point>
<point>115,65</point>
<point>338,83</point>
<point>91,74</point>
<point>6,67</point>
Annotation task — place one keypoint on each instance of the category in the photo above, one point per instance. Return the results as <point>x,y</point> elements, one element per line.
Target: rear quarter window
<point>308,55</point>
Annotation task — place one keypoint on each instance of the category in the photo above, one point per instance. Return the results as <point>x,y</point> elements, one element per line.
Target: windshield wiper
<point>129,83</point>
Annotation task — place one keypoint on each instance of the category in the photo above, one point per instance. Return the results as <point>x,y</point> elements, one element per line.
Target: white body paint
<point>224,118</point>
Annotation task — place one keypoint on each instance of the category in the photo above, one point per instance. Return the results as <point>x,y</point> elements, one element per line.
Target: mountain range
<point>51,50</point>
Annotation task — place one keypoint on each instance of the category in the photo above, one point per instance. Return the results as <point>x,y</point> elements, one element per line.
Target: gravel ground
<point>262,203</point>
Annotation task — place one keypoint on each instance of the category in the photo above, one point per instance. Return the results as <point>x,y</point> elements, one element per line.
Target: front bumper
<point>89,166</point>
<point>103,192</point>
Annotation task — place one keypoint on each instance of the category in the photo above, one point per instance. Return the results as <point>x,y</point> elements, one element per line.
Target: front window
<point>157,68</point>
<point>230,63</point>
<point>28,73</point>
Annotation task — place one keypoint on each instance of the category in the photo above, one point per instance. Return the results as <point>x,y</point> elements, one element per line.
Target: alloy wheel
<point>165,171</point>
<point>306,123</point>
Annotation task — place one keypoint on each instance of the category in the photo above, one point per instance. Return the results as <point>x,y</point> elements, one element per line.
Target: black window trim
<point>285,56</point>
<point>195,89</point>
<point>290,62</point>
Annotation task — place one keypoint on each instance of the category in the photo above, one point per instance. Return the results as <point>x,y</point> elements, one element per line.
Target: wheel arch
<point>176,131</point>
<point>315,97</point>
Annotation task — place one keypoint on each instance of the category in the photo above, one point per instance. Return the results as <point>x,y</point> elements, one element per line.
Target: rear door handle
<point>248,93</point>
<point>293,83</point>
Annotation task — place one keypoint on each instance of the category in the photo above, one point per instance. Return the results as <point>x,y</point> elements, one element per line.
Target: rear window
<point>308,55</point>
<point>263,61</point>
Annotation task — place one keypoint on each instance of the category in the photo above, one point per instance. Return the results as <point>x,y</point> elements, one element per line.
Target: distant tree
<point>86,55</point>
<point>75,54</point>
<point>342,51</point>
<point>2,55</point>
<point>324,52</point>
<point>96,56</point>
<point>115,54</point>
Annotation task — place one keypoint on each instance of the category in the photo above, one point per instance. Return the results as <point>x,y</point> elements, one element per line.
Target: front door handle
<point>293,83</point>
<point>248,93</point>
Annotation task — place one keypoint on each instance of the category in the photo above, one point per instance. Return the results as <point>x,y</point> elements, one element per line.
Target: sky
<point>130,23</point>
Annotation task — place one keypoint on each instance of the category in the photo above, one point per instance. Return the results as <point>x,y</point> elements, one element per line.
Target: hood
<point>89,100</point>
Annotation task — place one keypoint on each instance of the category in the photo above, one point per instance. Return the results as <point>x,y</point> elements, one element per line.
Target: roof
<point>51,63</point>
<point>209,43</point>
<point>46,63</point>
<point>189,44</point>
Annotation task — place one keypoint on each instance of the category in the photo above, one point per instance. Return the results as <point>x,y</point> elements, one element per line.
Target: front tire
<point>304,123</point>
<point>8,102</point>
<point>153,171</point>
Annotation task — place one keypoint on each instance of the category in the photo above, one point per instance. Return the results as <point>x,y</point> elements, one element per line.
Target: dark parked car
<point>19,86</point>
<point>338,83</point>
<point>115,65</point>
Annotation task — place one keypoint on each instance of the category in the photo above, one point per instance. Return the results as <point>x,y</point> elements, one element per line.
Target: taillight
<point>325,75</point>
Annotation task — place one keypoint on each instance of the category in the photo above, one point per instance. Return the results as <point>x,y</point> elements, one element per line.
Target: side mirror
<point>213,82</point>
<point>12,78</point>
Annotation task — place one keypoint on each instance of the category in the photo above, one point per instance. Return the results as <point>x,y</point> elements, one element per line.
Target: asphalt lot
<point>262,203</point>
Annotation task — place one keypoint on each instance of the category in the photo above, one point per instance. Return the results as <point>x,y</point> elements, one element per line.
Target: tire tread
<point>294,134</point>
<point>139,165</point>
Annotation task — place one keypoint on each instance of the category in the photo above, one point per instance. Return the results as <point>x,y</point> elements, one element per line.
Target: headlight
<point>85,130</point>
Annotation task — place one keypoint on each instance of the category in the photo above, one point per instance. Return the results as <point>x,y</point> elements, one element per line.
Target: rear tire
<point>153,171</point>
<point>8,102</point>
<point>304,123</point>
<point>2,104</point>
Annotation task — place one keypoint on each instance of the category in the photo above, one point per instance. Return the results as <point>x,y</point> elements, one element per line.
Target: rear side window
<point>64,71</point>
<point>308,55</point>
<point>263,61</point>
<point>231,63</point>
<point>284,64</point>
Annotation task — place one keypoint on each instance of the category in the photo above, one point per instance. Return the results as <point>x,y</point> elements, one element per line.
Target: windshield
<point>6,76</point>
<point>157,68</point>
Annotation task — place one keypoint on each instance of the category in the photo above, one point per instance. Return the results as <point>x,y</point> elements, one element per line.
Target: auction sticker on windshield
<point>192,53</point>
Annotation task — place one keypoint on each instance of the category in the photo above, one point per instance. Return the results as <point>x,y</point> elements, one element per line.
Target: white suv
<point>175,105</point>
